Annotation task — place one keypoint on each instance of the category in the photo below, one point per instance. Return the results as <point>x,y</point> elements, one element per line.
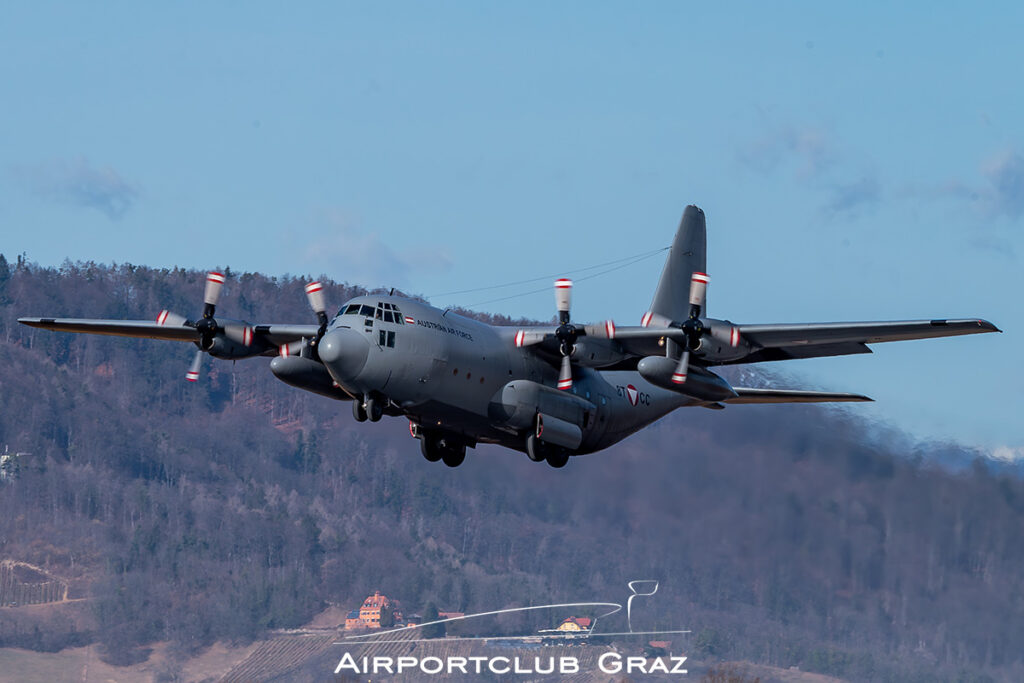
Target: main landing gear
<point>537,451</point>
<point>444,447</point>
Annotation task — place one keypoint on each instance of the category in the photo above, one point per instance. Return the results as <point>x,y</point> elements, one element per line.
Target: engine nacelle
<point>228,349</point>
<point>308,374</point>
<point>700,383</point>
<point>517,404</point>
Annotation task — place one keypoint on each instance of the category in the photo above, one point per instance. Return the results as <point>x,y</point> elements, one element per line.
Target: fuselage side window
<point>391,339</point>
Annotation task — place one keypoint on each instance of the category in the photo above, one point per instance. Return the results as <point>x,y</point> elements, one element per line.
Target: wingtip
<point>987,326</point>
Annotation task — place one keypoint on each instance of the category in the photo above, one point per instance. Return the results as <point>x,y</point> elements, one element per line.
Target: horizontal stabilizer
<point>749,395</point>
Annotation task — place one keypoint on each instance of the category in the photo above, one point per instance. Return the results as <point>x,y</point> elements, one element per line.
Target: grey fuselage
<point>448,372</point>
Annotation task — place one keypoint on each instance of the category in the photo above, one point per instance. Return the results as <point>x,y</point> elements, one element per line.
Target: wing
<point>804,340</point>
<point>275,335</point>
<point>782,342</point>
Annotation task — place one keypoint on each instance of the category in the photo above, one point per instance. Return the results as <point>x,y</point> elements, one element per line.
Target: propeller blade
<point>193,372</point>
<point>171,319</point>
<point>652,318</point>
<point>214,283</point>
<point>605,330</point>
<point>563,297</point>
<point>565,376</point>
<point>241,334</point>
<point>292,349</point>
<point>698,293</point>
<point>679,376</point>
<point>529,337</point>
<point>725,333</point>
<point>315,294</point>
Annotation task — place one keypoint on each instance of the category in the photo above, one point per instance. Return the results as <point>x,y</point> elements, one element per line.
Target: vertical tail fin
<point>688,255</point>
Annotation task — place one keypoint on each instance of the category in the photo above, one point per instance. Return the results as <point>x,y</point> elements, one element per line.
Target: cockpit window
<point>351,309</point>
<point>366,310</point>
<point>389,317</point>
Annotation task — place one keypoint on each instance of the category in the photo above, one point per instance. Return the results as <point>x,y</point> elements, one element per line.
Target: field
<point>24,584</point>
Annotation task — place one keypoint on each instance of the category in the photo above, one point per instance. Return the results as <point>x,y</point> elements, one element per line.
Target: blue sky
<point>854,162</point>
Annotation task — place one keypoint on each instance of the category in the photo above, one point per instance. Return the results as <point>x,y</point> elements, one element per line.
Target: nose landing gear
<point>370,407</point>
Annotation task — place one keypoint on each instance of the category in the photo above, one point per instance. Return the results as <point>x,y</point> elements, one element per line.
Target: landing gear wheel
<point>358,410</point>
<point>430,448</point>
<point>453,455</point>
<point>375,408</point>
<point>534,448</point>
<point>557,457</point>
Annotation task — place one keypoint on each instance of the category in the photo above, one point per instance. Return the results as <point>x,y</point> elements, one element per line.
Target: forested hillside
<point>795,536</point>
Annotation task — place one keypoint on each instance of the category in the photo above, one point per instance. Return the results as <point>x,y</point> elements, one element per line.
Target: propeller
<point>566,333</point>
<point>207,327</point>
<point>695,327</point>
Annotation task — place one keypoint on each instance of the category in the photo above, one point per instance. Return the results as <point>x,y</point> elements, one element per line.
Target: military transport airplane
<point>551,391</point>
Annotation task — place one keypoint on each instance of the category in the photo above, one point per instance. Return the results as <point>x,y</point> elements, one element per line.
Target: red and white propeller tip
<point>193,372</point>
<point>291,349</point>
<point>565,374</point>
<point>214,283</point>
<point>168,318</point>
<point>699,289</point>
<point>315,295</point>
<point>563,294</point>
<point>652,318</point>
<point>242,334</point>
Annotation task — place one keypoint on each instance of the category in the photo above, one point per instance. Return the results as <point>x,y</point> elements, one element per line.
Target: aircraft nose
<point>344,352</point>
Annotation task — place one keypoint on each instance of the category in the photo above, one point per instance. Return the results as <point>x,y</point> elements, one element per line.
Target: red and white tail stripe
<point>162,318</point>
<point>646,320</point>
<point>520,335</point>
